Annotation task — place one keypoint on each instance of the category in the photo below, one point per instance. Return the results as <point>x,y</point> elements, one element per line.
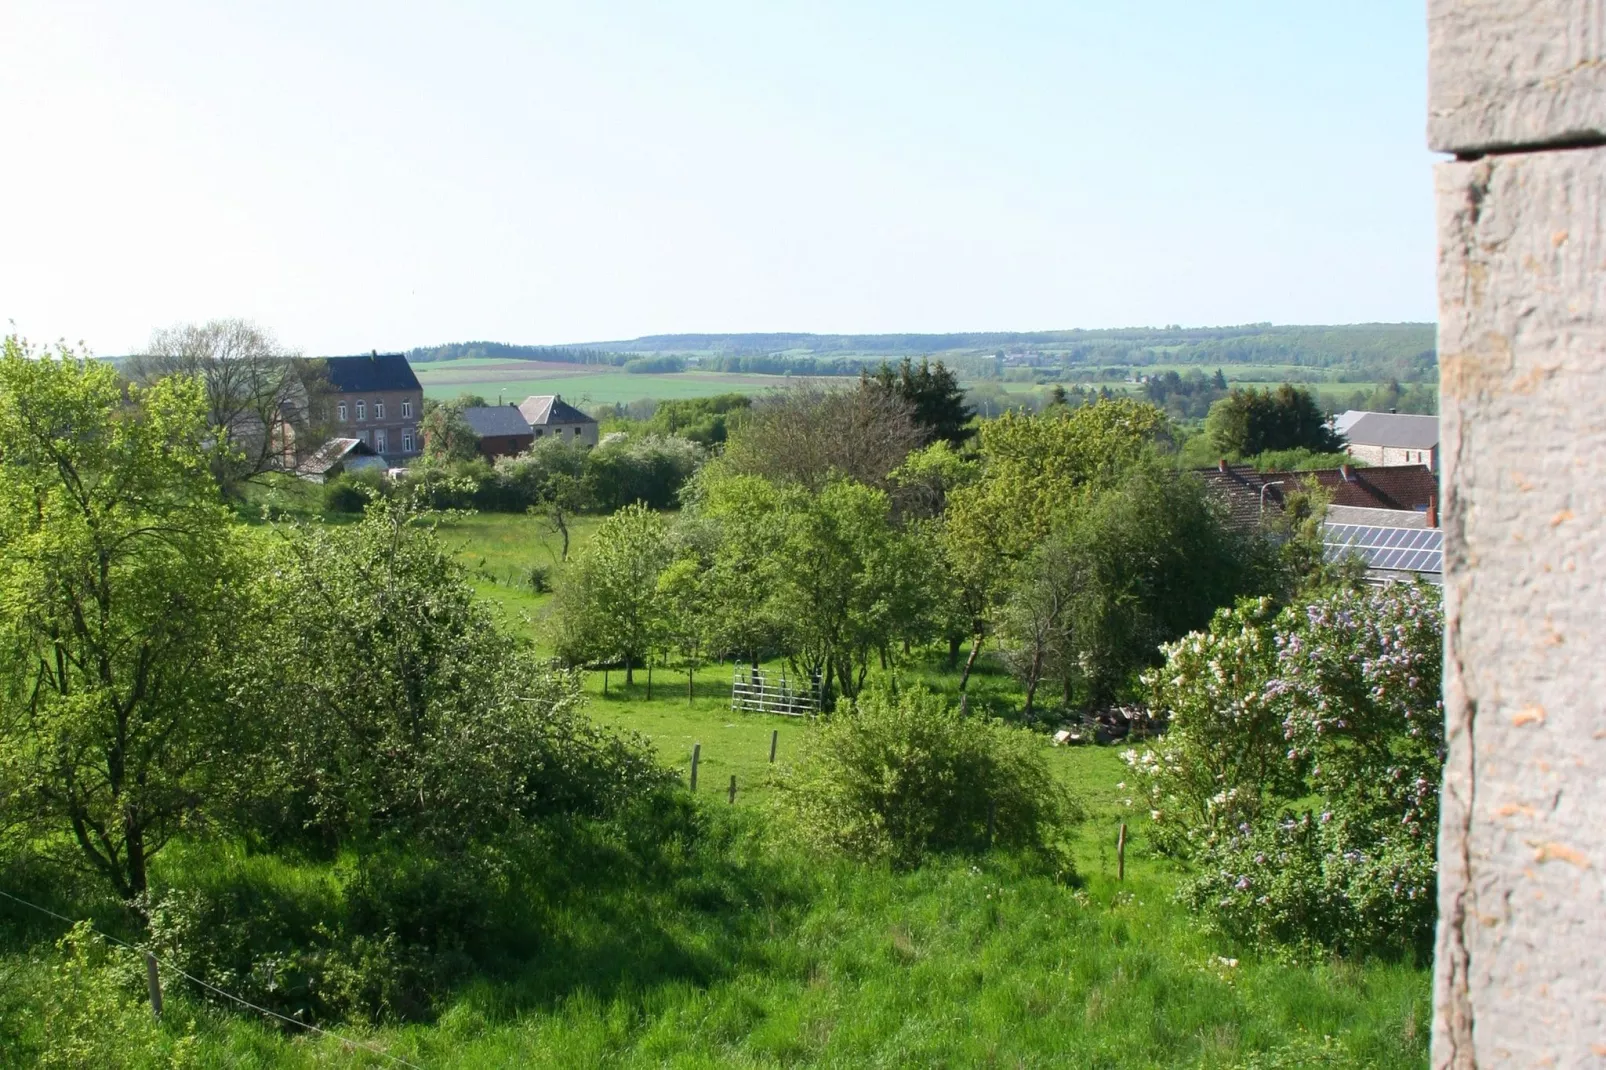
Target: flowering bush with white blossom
<point>1301,770</point>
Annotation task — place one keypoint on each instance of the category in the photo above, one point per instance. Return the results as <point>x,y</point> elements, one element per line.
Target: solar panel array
<point>1397,549</point>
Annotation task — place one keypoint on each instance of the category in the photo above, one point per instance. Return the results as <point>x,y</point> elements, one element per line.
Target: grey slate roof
<point>496,420</point>
<point>543,410</point>
<point>1393,429</point>
<point>375,372</point>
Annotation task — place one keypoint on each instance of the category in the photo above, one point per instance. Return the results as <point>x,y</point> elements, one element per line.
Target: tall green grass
<point>701,936</point>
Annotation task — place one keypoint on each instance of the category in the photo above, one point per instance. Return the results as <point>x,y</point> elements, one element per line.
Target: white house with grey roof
<point>550,416</point>
<point>1389,438</point>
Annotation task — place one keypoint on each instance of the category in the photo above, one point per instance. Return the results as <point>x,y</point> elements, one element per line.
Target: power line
<point>214,988</point>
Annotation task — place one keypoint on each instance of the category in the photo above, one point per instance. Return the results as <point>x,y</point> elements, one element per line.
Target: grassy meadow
<point>732,949</point>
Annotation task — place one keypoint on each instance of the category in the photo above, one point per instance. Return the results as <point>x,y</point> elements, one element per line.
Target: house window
<point>538,432</point>
<point>362,409</point>
<point>379,437</point>
<point>407,410</point>
<point>379,410</point>
<point>577,432</point>
<point>407,439</point>
<point>341,411</point>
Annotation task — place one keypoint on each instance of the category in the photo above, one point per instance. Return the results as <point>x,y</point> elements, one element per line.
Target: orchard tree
<point>124,605</point>
<point>608,599</point>
<point>1034,471</point>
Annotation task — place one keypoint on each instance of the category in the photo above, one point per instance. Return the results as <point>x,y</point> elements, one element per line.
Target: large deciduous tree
<point>124,603</point>
<point>1248,422</point>
<point>810,435</point>
<point>1034,471</point>
<point>264,403</point>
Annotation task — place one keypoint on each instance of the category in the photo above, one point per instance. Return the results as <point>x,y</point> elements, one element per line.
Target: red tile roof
<point>1400,486</point>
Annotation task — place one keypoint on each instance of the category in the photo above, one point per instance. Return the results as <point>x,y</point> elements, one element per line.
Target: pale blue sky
<point>391,174</point>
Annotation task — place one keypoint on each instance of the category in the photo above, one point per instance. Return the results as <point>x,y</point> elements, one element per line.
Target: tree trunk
<point>649,679</point>
<point>134,845</point>
<point>630,672</point>
<point>970,662</point>
<point>1032,680</point>
<point>953,651</point>
<point>691,674</point>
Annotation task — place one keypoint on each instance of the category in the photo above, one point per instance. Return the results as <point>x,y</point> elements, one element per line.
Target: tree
<point>936,403</point>
<point>809,435</point>
<point>124,604</point>
<point>608,599</point>
<point>1034,469</point>
<point>447,434</point>
<point>404,713</point>
<point>264,403</point>
<point>1247,422</point>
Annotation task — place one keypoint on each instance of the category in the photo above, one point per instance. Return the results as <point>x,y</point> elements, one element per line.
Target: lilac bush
<point>1301,771</point>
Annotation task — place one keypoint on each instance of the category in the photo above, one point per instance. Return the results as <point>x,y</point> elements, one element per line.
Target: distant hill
<point>1364,351</point>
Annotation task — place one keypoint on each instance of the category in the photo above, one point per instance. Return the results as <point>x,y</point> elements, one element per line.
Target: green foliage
<point>824,577</point>
<point>607,604</point>
<point>705,421</point>
<point>1250,422</point>
<point>350,492</point>
<point>122,611</point>
<point>932,393</point>
<point>404,710</point>
<point>655,365</point>
<point>901,774</point>
<point>96,1013</point>
<point>649,469</point>
<point>1134,565</point>
<point>1302,766</point>
<point>447,434</point>
<point>553,472</point>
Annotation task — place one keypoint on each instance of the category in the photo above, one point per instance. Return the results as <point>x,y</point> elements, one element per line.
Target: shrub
<point>345,494</point>
<point>1301,770</point>
<point>901,774</point>
<point>97,1014</point>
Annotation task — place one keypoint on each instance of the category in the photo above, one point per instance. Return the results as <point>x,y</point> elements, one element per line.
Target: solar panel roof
<point>1392,549</point>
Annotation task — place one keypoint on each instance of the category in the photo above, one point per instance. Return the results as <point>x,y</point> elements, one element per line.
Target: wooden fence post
<point>992,816</point>
<point>153,981</point>
<point>775,735</point>
<point>1120,854</point>
<point>696,756</point>
<point>733,789</point>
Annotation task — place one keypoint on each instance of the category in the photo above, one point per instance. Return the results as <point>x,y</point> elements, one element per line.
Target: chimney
<point>1433,510</point>
<point>1347,472</point>
<point>373,354</point>
<point>1221,465</point>
<point>1394,412</point>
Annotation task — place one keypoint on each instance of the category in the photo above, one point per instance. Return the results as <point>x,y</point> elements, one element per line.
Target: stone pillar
<point>1518,95</point>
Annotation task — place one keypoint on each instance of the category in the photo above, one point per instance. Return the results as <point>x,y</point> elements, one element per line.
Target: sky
<point>354,176</point>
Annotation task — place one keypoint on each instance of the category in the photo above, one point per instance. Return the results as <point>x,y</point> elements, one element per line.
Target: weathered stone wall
<point>1521,964</point>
